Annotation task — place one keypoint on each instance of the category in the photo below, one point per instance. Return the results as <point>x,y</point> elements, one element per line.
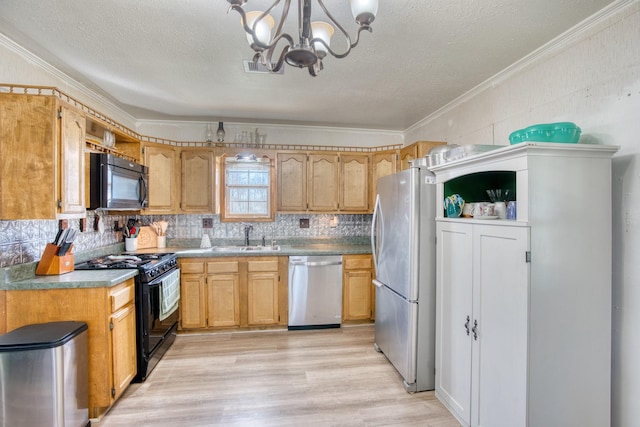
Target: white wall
<point>590,76</point>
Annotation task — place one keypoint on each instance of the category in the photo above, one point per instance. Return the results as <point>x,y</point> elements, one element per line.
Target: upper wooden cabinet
<point>291,181</point>
<point>322,182</point>
<point>123,142</point>
<point>197,181</point>
<point>41,158</point>
<point>382,164</point>
<point>415,150</point>
<point>163,177</point>
<point>354,182</point>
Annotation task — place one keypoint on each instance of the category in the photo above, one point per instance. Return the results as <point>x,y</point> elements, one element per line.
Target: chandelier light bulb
<point>364,11</point>
<point>262,29</point>
<point>321,30</point>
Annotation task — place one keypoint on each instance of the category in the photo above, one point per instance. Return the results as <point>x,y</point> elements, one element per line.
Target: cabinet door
<point>72,142</point>
<point>500,307</point>
<point>41,150</point>
<point>263,298</point>
<point>223,300</point>
<point>162,178</point>
<point>123,348</point>
<point>357,287</point>
<point>357,295</point>
<point>323,182</point>
<point>192,301</point>
<point>292,182</point>
<point>382,164</point>
<point>197,184</point>
<point>354,182</point>
<point>454,317</point>
<point>407,154</point>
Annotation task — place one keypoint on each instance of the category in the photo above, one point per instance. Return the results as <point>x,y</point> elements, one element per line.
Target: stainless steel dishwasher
<point>315,292</point>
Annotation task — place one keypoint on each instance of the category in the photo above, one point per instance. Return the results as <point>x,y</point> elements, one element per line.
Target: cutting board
<point>147,238</point>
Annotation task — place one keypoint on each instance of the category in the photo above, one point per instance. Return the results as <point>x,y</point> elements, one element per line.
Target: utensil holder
<point>130,244</point>
<point>162,242</point>
<point>52,264</point>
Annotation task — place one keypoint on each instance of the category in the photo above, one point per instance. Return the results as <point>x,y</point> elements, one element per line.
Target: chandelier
<point>312,42</point>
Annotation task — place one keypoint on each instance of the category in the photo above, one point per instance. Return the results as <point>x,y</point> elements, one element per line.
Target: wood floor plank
<point>281,378</point>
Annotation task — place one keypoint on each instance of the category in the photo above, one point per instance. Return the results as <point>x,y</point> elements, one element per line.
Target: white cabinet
<point>482,319</point>
<point>453,313</point>
<point>533,295</point>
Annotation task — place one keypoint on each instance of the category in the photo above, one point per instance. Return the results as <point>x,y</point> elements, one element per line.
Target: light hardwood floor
<point>276,378</point>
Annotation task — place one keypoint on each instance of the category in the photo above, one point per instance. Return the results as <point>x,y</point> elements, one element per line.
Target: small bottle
<point>511,210</point>
<point>220,133</point>
<point>208,134</point>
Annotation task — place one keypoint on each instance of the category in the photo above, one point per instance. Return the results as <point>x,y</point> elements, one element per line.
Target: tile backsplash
<point>24,241</point>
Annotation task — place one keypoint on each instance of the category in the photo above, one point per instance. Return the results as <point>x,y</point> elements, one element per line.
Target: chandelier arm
<point>344,33</point>
<point>283,18</point>
<point>267,59</point>
<point>351,45</point>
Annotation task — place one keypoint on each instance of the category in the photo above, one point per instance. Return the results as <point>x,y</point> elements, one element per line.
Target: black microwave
<point>117,183</point>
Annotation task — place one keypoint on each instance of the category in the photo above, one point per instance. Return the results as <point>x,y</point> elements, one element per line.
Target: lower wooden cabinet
<point>262,292</point>
<point>223,293</point>
<point>233,292</point>
<point>110,316</point>
<point>358,291</point>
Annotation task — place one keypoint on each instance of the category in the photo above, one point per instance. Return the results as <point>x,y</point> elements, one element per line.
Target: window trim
<point>225,216</point>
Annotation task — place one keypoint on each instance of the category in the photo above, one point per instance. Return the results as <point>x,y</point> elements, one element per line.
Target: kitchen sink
<point>270,248</point>
<point>233,249</point>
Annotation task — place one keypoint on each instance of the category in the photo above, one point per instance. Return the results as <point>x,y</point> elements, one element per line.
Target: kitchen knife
<point>64,247</point>
<point>56,241</point>
<point>61,237</point>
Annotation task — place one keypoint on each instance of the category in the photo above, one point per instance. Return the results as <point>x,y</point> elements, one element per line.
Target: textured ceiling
<point>182,59</point>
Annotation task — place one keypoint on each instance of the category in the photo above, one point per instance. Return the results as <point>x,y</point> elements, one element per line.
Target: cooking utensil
<point>100,225</point>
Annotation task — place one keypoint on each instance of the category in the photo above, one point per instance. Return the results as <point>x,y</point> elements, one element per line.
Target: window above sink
<point>248,185</point>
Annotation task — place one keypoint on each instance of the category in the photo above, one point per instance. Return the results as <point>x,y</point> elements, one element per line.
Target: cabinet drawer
<point>360,263</point>
<point>266,265</point>
<point>192,267</point>
<point>122,295</point>
<point>222,267</point>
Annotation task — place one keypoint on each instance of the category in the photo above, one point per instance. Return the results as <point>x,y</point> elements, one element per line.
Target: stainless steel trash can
<point>44,376</point>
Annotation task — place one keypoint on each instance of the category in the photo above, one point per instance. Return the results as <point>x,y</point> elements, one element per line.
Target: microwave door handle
<point>143,190</point>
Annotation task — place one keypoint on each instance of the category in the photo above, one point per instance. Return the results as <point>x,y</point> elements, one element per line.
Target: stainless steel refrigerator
<point>404,243</point>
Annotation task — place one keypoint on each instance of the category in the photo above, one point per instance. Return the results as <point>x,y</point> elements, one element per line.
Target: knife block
<point>51,263</point>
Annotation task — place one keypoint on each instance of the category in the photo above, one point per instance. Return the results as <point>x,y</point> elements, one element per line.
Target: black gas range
<point>149,266</point>
<point>157,289</point>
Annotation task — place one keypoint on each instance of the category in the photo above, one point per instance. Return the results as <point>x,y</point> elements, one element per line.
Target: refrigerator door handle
<point>375,250</point>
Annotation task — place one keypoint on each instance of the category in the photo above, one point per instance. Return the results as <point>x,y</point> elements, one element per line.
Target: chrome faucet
<point>247,230</point>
